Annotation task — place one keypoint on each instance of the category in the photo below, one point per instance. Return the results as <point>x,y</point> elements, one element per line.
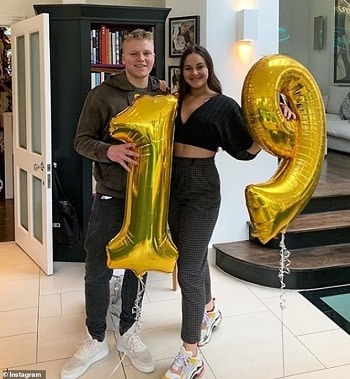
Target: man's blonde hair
<point>139,34</point>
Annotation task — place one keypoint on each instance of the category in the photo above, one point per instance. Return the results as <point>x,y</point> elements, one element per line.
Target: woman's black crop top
<point>216,123</point>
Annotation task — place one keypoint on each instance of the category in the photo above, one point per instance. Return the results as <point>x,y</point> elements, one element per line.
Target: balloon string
<point>136,310</point>
<point>283,270</point>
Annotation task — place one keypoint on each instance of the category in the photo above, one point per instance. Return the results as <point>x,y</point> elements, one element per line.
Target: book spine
<point>98,46</point>
<point>103,44</point>
<point>117,47</point>
<point>93,46</point>
<point>113,48</point>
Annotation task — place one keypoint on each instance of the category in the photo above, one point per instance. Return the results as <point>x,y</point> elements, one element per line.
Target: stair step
<point>336,189</point>
<point>313,267</point>
<point>321,221</point>
<point>314,229</point>
<point>329,197</point>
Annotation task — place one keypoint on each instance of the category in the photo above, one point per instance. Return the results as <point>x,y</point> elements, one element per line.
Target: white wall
<point>21,8</point>
<point>218,36</point>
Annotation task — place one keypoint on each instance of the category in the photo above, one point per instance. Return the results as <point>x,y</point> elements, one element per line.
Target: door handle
<point>39,167</point>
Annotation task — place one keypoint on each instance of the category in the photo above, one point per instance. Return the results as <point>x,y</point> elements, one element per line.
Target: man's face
<point>138,57</point>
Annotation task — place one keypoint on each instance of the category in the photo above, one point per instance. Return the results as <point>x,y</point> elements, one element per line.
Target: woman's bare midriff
<point>188,151</point>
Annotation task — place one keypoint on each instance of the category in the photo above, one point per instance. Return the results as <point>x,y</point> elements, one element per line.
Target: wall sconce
<point>247,25</point>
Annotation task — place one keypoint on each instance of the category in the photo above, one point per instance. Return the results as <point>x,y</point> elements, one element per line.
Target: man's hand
<point>124,154</point>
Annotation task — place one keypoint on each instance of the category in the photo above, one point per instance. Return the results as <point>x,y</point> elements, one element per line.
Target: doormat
<point>334,302</point>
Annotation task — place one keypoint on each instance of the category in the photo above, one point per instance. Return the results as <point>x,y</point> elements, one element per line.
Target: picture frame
<point>183,32</point>
<point>341,42</point>
<point>173,78</point>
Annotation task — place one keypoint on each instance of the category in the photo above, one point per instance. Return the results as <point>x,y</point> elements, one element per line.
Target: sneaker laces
<point>136,343</point>
<point>180,361</point>
<point>205,321</point>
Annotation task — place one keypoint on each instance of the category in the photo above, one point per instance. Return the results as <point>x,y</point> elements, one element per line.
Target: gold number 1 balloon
<point>143,243</point>
<point>299,143</point>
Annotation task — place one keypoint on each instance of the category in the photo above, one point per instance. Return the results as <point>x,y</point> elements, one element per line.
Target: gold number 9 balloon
<point>299,143</point>
<point>143,244</point>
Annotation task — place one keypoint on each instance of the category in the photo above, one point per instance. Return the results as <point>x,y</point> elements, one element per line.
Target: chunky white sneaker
<point>89,352</point>
<point>185,366</point>
<point>211,320</point>
<point>131,345</point>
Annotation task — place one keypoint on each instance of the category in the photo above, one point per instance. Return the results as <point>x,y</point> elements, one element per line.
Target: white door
<point>32,139</point>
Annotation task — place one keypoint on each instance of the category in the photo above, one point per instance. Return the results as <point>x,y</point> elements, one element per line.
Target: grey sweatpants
<point>193,212</point>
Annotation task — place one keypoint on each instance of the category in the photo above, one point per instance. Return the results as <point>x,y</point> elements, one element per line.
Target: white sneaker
<point>131,345</point>
<point>89,352</point>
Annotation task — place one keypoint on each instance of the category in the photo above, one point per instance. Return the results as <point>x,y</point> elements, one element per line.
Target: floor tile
<point>332,348</point>
<point>18,350</point>
<point>68,277</point>
<point>58,336</point>
<point>50,305</point>
<point>161,314</point>
<point>12,254</point>
<point>19,294</point>
<point>161,290</point>
<point>342,372</point>
<point>296,305</point>
<point>73,302</point>
<point>243,300</point>
<point>19,321</point>
<point>19,272</point>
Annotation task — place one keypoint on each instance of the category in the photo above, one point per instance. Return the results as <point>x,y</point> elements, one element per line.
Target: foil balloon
<point>300,143</point>
<point>143,244</point>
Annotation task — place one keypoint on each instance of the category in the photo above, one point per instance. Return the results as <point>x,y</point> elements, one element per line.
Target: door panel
<point>32,139</point>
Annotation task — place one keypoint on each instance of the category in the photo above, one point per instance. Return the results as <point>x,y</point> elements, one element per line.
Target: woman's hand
<point>254,148</point>
<point>287,112</point>
<point>163,86</point>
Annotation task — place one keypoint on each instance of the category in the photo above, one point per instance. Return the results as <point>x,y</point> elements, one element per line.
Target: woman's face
<point>195,71</point>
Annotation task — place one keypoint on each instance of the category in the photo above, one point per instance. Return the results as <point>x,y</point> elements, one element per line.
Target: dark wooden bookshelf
<point>70,60</point>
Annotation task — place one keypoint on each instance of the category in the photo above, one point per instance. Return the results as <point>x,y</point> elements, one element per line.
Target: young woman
<point>206,121</point>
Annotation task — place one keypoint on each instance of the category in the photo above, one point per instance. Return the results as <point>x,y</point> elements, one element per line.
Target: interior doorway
<point>6,168</point>
<point>5,98</point>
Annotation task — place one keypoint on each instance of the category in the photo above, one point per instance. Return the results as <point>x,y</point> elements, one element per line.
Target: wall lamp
<point>247,25</point>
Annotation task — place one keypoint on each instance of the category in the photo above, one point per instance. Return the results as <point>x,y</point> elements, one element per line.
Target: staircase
<point>318,239</point>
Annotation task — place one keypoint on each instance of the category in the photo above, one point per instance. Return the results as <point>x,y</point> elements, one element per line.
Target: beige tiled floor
<point>42,321</point>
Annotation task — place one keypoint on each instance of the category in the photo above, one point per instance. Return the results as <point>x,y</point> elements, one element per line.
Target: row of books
<point>106,45</point>
<point>97,77</point>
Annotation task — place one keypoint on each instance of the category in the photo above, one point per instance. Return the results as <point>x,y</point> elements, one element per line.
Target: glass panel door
<point>32,139</point>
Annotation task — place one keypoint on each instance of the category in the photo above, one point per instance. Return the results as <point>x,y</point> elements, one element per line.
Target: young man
<point>111,162</point>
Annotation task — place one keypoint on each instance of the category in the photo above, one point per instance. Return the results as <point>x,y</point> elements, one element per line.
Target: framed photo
<point>173,77</point>
<point>183,32</point>
<point>342,42</point>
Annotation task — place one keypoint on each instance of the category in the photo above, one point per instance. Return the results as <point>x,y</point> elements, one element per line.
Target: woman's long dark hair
<point>213,82</point>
